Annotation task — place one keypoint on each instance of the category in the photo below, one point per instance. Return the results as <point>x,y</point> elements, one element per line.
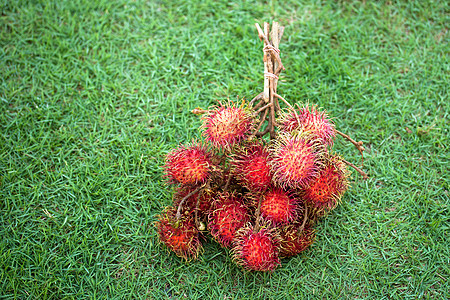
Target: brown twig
<point>284,100</point>
<point>258,215</point>
<point>272,68</point>
<point>258,97</point>
<point>305,217</point>
<point>272,118</point>
<point>364,175</point>
<point>262,133</point>
<point>261,34</point>
<point>263,108</point>
<point>225,172</point>
<point>260,103</point>
<point>277,32</point>
<point>358,145</point>
<point>263,118</point>
<point>227,184</point>
<point>276,43</point>
<point>178,215</point>
<point>197,205</point>
<point>277,105</point>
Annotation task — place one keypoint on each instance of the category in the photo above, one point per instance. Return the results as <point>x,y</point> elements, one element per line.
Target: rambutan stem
<point>284,100</point>
<point>263,118</point>
<point>178,215</point>
<point>277,105</point>
<point>272,68</point>
<point>227,184</point>
<point>262,133</point>
<point>263,108</point>
<point>260,103</point>
<point>364,175</point>
<point>197,205</point>
<point>258,215</point>
<point>277,64</point>
<point>305,217</point>
<point>272,119</point>
<point>258,97</point>
<point>358,145</point>
<point>261,34</point>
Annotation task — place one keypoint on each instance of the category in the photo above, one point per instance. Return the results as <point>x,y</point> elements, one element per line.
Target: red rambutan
<point>309,119</point>
<point>188,165</point>
<point>226,126</point>
<point>251,167</point>
<point>226,217</point>
<point>295,160</point>
<point>256,251</point>
<point>278,206</point>
<point>181,236</point>
<point>292,242</point>
<point>326,190</point>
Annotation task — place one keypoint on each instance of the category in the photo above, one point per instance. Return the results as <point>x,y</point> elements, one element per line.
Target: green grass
<point>93,94</point>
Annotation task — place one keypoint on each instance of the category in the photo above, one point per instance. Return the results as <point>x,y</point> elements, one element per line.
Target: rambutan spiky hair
<point>292,242</point>
<point>309,119</point>
<point>327,189</point>
<point>189,164</point>
<point>180,236</point>
<point>225,126</point>
<point>295,159</point>
<point>251,167</point>
<point>256,251</point>
<point>226,217</point>
<point>279,206</point>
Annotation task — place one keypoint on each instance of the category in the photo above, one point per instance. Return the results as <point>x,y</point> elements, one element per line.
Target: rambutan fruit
<point>251,167</point>
<point>204,196</point>
<point>327,189</point>
<point>292,242</point>
<point>181,236</point>
<point>279,206</point>
<point>295,160</point>
<point>226,217</point>
<point>226,126</point>
<point>257,251</point>
<point>309,119</point>
<point>189,165</point>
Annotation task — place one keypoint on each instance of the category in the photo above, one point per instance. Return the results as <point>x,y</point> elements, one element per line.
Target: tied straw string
<point>270,75</point>
<point>269,47</point>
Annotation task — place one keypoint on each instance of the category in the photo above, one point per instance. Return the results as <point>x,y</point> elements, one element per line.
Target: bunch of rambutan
<point>258,198</point>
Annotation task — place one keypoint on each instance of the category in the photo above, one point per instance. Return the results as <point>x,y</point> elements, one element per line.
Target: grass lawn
<point>93,94</point>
